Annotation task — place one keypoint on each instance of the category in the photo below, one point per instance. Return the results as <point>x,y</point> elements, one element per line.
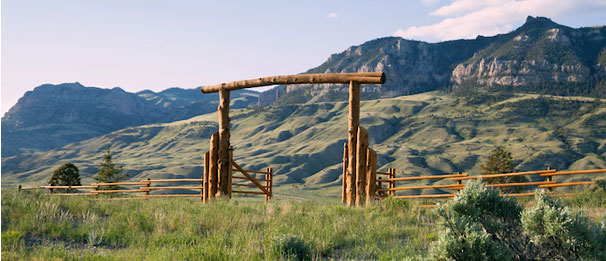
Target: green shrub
<point>290,247</point>
<point>560,233</point>
<point>479,224</point>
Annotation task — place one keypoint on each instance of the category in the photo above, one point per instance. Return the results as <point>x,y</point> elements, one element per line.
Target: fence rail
<point>547,174</point>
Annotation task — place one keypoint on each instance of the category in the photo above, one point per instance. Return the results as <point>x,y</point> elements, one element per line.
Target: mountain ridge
<point>51,116</point>
<point>415,66</point>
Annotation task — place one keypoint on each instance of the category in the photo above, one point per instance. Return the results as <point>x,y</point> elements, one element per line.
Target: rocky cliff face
<point>51,116</point>
<point>411,67</point>
<point>538,52</point>
<point>517,73</point>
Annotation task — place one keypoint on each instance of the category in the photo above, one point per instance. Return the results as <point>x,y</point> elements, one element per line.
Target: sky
<point>138,45</point>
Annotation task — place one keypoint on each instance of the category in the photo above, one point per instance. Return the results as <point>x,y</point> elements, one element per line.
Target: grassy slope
<point>427,133</point>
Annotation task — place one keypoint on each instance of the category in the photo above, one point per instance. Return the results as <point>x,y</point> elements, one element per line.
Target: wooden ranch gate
<point>361,160</point>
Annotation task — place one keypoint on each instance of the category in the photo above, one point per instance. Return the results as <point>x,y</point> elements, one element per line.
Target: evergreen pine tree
<point>110,172</point>
<point>499,162</point>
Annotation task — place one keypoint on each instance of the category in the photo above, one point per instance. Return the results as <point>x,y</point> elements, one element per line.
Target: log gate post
<point>223,160</point>
<point>352,124</point>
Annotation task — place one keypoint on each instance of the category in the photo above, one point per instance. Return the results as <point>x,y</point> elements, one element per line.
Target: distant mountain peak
<point>539,22</point>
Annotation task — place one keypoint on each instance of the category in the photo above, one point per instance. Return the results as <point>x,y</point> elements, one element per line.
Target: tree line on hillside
<point>479,93</point>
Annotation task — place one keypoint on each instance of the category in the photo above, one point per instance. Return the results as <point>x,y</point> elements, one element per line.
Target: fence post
<point>229,171</point>
<point>344,179</point>
<point>392,184</point>
<point>205,177</point>
<point>267,184</point>
<point>148,185</point>
<point>224,135</point>
<point>549,178</point>
<point>213,175</point>
<point>271,183</point>
<point>19,189</point>
<point>361,166</point>
<point>371,176</point>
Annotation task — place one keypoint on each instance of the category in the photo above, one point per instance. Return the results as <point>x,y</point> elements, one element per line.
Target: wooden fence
<point>176,187</point>
<point>547,175</point>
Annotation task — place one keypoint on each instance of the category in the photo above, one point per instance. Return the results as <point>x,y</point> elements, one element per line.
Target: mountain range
<point>517,89</point>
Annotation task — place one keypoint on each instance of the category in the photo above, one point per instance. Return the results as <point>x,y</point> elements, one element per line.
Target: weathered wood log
<point>505,175</point>
<point>267,184</point>
<point>422,187</point>
<point>248,192</point>
<point>224,163</point>
<point>344,178</point>
<point>575,172</point>
<point>427,177</point>
<point>229,171</point>
<point>352,125</point>
<point>566,184</point>
<point>362,146</point>
<point>371,176</point>
<point>251,171</point>
<point>392,184</point>
<point>271,183</point>
<point>172,187</point>
<point>173,196</point>
<point>367,78</point>
<point>205,177</point>
<point>237,177</point>
<point>213,175</point>
<point>428,196</point>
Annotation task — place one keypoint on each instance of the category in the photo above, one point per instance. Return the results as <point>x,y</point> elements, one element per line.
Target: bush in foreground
<point>479,224</point>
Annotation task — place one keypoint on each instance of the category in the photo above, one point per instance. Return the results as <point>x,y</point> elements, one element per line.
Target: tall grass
<point>41,226</point>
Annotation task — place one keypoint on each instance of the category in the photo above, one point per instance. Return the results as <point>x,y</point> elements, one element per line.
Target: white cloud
<point>470,18</point>
<point>429,2</point>
<point>332,15</point>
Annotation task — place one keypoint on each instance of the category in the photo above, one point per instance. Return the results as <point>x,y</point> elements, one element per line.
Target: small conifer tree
<point>109,172</point>
<point>499,162</point>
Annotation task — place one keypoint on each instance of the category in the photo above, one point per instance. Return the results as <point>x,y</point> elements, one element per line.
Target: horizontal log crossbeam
<point>344,78</point>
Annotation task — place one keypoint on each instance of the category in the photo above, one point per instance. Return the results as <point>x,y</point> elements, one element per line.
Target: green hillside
<point>427,133</point>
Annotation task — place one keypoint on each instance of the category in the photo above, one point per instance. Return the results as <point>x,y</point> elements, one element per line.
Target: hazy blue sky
<point>155,45</point>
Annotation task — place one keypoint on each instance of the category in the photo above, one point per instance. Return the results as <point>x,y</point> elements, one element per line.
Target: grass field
<point>38,226</point>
